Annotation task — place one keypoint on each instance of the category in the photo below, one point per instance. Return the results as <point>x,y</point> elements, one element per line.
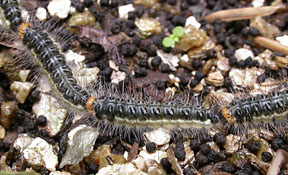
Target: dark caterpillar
<point>49,57</point>
<point>12,13</point>
<point>128,113</point>
<point>257,109</point>
<point>148,114</point>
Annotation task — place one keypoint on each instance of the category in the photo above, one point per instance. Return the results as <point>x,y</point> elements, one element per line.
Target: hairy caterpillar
<point>128,117</point>
<point>121,112</point>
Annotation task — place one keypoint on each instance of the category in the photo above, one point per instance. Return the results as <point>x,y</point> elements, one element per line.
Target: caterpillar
<point>120,112</point>
<point>131,117</point>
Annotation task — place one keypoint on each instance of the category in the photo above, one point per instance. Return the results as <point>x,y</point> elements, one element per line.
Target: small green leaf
<point>178,31</point>
<point>168,42</point>
<point>176,39</point>
<point>172,36</point>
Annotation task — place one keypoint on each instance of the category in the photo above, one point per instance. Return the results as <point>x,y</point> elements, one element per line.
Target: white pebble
<point>80,144</point>
<point>191,20</point>
<point>169,59</point>
<point>40,153</point>
<point>85,76</point>
<point>22,142</point>
<point>59,173</point>
<point>118,169</point>
<point>185,58</point>
<point>2,132</point>
<point>59,8</point>
<point>21,90</point>
<point>242,54</point>
<point>283,39</point>
<point>23,74</point>
<point>72,56</point>
<point>124,10</point>
<point>50,108</point>
<point>157,155</point>
<point>257,3</point>
<point>160,136</point>
<point>117,76</point>
<point>41,13</point>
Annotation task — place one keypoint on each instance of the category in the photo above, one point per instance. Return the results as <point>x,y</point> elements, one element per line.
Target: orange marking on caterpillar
<point>89,104</point>
<point>225,113</point>
<point>21,29</point>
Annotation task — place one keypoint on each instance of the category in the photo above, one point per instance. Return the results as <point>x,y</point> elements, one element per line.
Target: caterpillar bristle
<point>128,111</point>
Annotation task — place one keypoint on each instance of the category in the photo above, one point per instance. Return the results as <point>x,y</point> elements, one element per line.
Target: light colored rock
<point>168,58</point>
<point>59,173</point>
<point>40,153</point>
<point>148,26</point>
<point>232,143</point>
<point>71,56</point>
<point>113,66</point>
<point>191,20</point>
<point>124,10</point>
<point>157,155</point>
<point>118,169</point>
<point>22,142</point>
<point>184,58</point>
<point>50,108</point>
<point>44,85</point>
<point>283,39</point>
<point>2,132</point>
<point>159,136</point>
<point>257,3</point>
<point>215,78</point>
<point>59,8</point>
<point>155,168</point>
<point>3,164</point>
<point>139,162</point>
<point>23,74</point>
<point>21,90</point>
<point>117,76</point>
<point>243,53</point>
<point>245,77</point>
<point>223,64</point>
<point>41,13</point>
<point>81,141</point>
<point>85,76</point>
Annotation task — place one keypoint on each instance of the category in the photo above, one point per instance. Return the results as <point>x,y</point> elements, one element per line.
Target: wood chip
<point>271,44</point>
<point>277,162</point>
<point>242,13</point>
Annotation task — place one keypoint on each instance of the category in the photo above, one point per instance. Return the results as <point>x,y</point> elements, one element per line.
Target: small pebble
<point>276,144</point>
<point>180,154</point>
<point>266,156</point>
<point>156,61</point>
<point>140,72</point>
<point>41,120</point>
<point>195,145</point>
<point>201,159</point>
<point>165,68</point>
<point>254,147</point>
<point>199,75</point>
<point>227,167</point>
<point>205,149</point>
<point>196,63</point>
<point>261,78</point>
<point>253,31</point>
<point>151,147</point>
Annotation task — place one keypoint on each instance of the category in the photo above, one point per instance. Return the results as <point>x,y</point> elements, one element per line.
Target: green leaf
<point>176,39</point>
<point>178,31</point>
<point>168,42</point>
